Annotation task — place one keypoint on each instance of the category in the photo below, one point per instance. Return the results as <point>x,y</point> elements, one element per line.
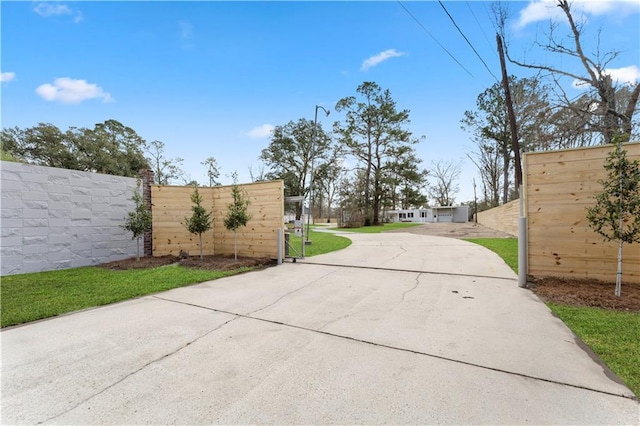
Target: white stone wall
<point>57,218</point>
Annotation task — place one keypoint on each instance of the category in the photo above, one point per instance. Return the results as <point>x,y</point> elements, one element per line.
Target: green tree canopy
<point>110,147</point>
<point>291,152</point>
<point>373,131</point>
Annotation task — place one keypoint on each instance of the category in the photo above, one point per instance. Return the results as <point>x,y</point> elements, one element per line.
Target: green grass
<point>29,297</point>
<point>381,228</point>
<point>506,248</point>
<point>612,335</point>
<point>321,243</point>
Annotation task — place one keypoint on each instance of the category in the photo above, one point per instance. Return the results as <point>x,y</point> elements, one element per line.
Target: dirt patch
<point>582,292</point>
<point>455,230</point>
<point>214,263</point>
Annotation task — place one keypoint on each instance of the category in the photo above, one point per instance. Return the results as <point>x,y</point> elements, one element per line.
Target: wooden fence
<point>503,218</point>
<point>560,185</point>
<point>171,204</point>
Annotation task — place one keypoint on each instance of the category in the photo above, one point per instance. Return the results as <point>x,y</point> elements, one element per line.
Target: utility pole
<point>515,144</point>
<point>475,201</point>
<point>522,220</point>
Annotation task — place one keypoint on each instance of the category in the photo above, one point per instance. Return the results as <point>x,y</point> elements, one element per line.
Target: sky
<point>212,78</point>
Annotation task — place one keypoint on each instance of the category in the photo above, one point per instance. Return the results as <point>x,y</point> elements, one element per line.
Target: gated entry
<point>292,249</point>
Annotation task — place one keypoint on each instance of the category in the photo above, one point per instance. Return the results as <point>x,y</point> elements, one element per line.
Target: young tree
<point>200,220</point>
<point>237,214</point>
<point>616,214</point>
<point>445,181</point>
<point>213,171</point>
<point>138,221</point>
<point>373,129</point>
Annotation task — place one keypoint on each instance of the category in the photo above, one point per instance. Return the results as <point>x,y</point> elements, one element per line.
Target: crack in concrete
<point>404,251</point>
<point>379,268</point>
<point>132,373</point>
<point>412,288</point>
<point>291,292</point>
<point>412,351</point>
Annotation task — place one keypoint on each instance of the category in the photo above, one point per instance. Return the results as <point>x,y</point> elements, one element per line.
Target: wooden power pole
<point>512,117</point>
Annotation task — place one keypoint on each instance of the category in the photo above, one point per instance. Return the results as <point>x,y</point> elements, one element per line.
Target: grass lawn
<point>380,228</point>
<point>321,243</point>
<point>612,335</point>
<point>29,297</point>
<point>506,248</point>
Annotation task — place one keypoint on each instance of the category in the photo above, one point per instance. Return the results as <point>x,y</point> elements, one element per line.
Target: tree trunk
<point>200,246</point>
<point>138,249</point>
<point>235,245</point>
<point>619,273</point>
<point>505,176</point>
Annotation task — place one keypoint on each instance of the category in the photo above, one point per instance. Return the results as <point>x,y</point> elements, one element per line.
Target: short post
<point>279,246</point>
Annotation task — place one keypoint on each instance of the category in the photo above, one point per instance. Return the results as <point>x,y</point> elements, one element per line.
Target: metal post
<point>522,243</point>
<point>279,246</point>
<point>313,155</point>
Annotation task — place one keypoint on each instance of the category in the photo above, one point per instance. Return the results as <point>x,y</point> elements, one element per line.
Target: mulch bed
<point>214,263</point>
<point>583,292</point>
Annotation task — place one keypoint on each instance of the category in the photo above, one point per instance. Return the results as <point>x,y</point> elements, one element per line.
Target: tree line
<point>367,162</point>
<point>547,116</point>
<point>109,148</point>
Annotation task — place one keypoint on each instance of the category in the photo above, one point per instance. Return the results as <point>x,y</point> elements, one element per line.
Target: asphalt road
<point>396,329</point>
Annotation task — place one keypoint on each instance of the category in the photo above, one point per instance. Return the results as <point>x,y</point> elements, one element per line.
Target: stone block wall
<point>56,218</point>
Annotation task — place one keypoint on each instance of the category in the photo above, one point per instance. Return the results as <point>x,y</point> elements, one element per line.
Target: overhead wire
<point>435,39</point>
<point>481,29</point>
<point>455,24</point>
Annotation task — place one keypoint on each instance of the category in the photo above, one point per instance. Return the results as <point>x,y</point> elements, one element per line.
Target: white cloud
<point>624,75</point>
<point>542,10</point>
<point>70,91</point>
<point>47,9</point>
<point>379,58</point>
<point>260,132</point>
<point>7,76</point>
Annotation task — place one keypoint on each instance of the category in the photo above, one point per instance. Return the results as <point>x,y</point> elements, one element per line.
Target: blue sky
<point>212,78</point>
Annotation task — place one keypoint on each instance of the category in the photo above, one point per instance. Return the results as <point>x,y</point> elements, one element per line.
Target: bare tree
<point>607,114</point>
<point>213,171</point>
<point>444,186</point>
<point>165,169</point>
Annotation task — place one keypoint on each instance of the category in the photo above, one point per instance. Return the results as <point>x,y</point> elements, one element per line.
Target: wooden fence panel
<point>559,186</point>
<point>502,218</point>
<point>171,204</point>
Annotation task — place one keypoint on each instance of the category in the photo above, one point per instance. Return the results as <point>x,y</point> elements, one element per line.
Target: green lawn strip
<point>321,243</point>
<point>506,248</point>
<point>29,297</point>
<point>380,228</point>
<point>612,335</point>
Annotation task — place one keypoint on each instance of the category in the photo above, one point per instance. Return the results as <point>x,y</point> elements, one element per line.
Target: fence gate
<point>294,233</point>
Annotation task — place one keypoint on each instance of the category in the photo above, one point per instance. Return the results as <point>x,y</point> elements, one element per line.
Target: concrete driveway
<point>396,329</point>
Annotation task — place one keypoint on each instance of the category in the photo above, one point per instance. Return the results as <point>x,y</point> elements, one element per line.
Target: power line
<point>467,40</point>
<point>481,29</point>
<point>435,39</point>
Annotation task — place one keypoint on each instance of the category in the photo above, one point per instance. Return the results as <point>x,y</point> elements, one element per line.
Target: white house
<point>458,214</point>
